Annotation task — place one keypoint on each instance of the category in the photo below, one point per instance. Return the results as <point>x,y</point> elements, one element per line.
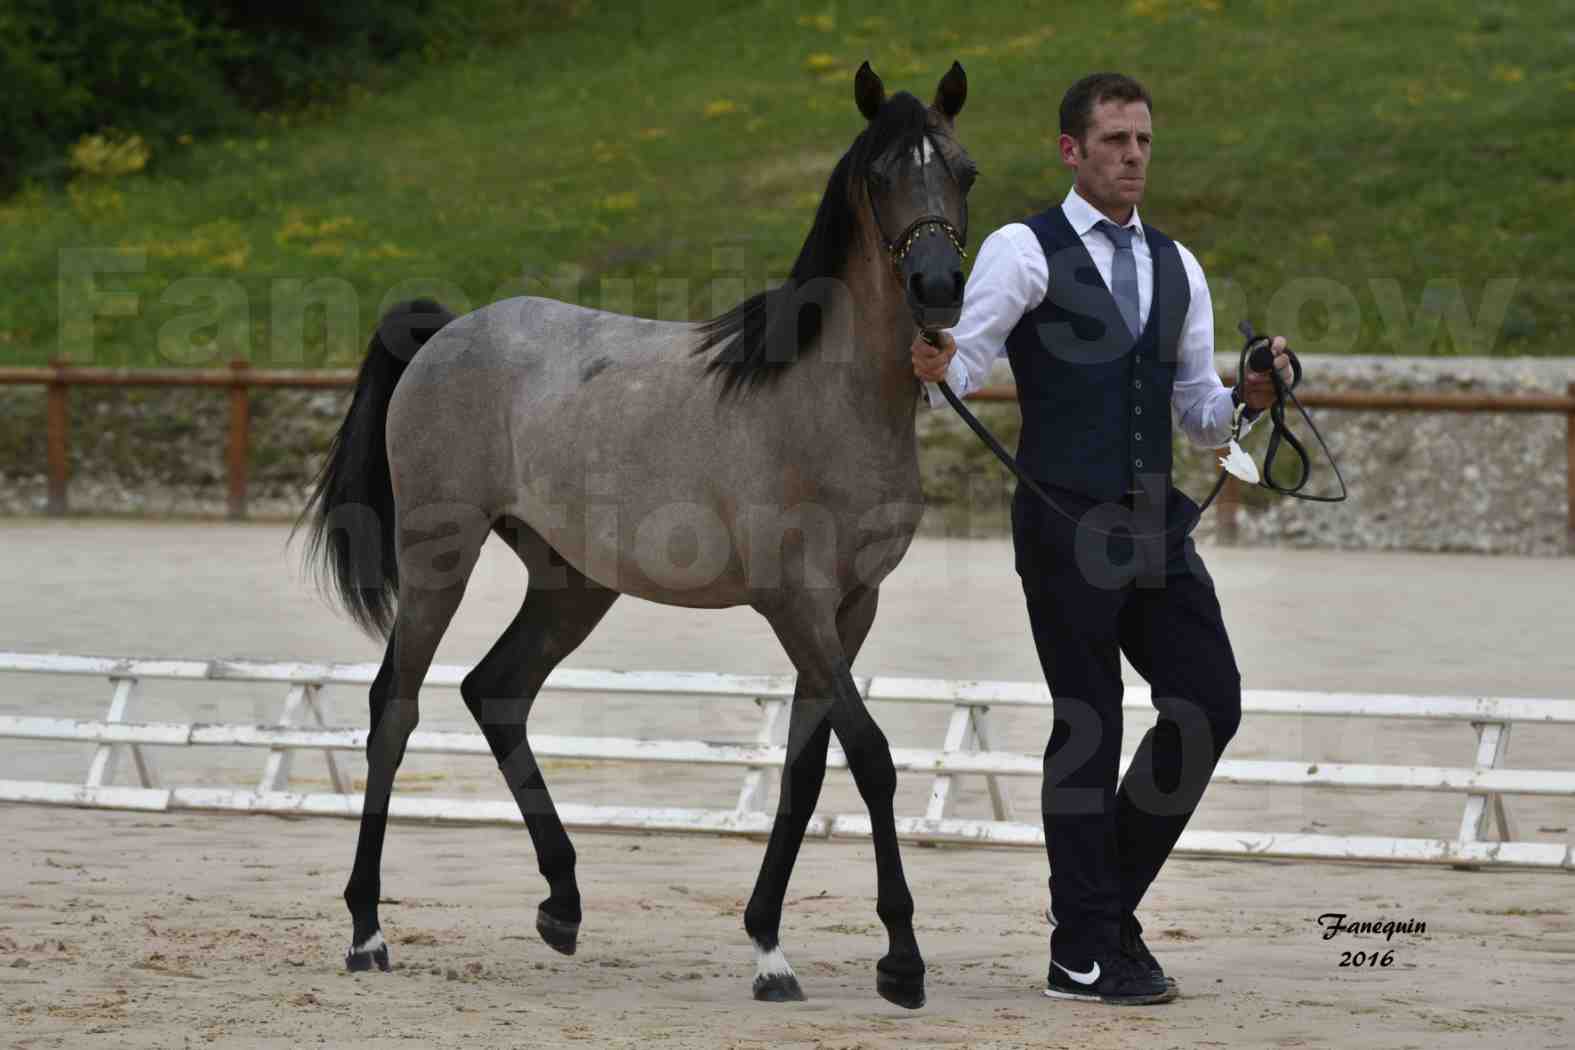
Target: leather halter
<point>923,226</point>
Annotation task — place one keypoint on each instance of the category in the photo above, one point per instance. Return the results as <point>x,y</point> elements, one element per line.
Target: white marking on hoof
<point>373,943</point>
<point>771,963</point>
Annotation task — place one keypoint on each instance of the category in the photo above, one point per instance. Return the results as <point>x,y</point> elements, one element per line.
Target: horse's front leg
<point>809,734</point>
<point>826,700</point>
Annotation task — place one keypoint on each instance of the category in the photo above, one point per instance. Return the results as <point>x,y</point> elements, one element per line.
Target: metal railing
<point>239,380</point>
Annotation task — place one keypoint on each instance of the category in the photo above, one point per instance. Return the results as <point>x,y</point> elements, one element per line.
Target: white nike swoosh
<point>1081,978</point>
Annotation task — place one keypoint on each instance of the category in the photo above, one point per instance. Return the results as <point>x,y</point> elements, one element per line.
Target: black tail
<point>351,510</point>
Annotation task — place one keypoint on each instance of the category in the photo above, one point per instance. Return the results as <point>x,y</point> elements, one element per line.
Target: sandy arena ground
<point>130,930</point>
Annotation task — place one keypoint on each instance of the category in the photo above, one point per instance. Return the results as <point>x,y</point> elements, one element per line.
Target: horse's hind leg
<point>431,584</point>
<point>561,607</point>
<point>827,700</point>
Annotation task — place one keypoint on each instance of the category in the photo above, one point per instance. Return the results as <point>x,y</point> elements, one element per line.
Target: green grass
<point>1400,165</point>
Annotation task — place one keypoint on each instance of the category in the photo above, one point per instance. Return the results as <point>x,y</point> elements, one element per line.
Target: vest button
<point>1137,437</point>
<point>1137,384</point>
<point>1137,410</point>
<point>1138,463</point>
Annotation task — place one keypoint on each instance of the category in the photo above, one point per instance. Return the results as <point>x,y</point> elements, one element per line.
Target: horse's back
<point>523,406</point>
<point>556,346</point>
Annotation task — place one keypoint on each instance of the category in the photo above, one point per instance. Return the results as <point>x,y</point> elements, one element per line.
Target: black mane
<point>762,336</point>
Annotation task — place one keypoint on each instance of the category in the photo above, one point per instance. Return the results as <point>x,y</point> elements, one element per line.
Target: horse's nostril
<point>916,287</point>
<point>957,286</point>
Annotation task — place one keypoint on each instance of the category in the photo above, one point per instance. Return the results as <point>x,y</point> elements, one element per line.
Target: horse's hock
<point>1479,481</point>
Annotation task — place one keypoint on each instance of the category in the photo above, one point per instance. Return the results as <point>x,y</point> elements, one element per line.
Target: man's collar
<point>1084,216</point>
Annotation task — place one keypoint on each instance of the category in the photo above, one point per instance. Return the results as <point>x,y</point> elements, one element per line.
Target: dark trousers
<point>1092,596</point>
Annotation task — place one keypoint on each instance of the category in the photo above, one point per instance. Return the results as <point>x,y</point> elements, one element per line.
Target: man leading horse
<point>1109,327</point>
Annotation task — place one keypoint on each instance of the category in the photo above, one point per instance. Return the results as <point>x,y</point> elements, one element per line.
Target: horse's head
<point>916,176</point>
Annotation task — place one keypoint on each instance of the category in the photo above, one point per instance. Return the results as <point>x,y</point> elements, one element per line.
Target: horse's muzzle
<point>934,286</point>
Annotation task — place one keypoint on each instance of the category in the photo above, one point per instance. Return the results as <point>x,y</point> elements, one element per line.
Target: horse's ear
<point>868,91</point>
<point>952,92</point>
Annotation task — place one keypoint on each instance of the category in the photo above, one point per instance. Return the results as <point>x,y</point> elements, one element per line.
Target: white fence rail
<point>966,751</point>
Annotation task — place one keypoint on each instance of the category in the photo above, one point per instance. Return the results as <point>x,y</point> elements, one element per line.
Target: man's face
<point>1112,160</point>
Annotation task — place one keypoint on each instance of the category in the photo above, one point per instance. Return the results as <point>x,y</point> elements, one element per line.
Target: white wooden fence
<point>966,751</point>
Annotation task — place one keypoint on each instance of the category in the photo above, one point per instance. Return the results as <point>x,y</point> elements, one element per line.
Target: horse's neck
<point>863,364</point>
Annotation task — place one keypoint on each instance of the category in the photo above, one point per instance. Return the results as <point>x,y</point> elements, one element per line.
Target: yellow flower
<point>819,62</point>
<point>825,23</point>
<point>108,155</point>
<point>1509,74</point>
<point>720,108</point>
<point>621,201</point>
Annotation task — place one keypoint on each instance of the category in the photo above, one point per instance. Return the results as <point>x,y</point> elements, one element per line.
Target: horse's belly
<point>677,552</point>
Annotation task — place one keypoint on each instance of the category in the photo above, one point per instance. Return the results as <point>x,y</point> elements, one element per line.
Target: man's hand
<point>929,362</point>
<point>1258,390</point>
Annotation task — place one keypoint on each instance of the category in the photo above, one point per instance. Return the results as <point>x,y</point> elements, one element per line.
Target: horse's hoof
<point>560,936</point>
<point>906,992</point>
<point>778,988</point>
<point>361,962</point>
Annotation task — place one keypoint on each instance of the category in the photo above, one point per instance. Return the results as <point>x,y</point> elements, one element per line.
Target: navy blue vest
<point>1096,404</point>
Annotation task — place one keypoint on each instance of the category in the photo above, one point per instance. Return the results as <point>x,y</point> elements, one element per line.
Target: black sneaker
<point>1112,977</point>
<point>1132,944</point>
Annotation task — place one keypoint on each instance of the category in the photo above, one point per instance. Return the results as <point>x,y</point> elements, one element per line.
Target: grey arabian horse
<point>764,458</point>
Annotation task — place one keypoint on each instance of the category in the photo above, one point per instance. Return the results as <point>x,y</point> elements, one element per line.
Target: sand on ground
<point>170,930</point>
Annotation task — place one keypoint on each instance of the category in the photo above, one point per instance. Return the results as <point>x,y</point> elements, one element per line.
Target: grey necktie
<point>1123,274</point>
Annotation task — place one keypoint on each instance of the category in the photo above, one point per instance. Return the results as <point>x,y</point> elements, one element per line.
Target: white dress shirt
<point>1010,278</point>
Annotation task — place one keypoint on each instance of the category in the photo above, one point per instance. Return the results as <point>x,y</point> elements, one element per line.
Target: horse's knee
<point>869,758</point>
<point>491,705</point>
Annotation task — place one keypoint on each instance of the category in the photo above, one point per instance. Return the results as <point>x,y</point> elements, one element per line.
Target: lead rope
<point>1257,352</point>
<point>1256,349</point>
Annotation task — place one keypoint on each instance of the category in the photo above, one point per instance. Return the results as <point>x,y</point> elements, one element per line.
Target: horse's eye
<point>879,181</point>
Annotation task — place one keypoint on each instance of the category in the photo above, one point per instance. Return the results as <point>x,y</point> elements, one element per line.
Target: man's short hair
<point>1077,105</point>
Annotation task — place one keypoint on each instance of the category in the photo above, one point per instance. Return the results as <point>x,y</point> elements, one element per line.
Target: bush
<point>165,68</point>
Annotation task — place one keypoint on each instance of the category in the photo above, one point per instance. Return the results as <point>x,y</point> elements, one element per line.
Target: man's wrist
<point>1250,413</point>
